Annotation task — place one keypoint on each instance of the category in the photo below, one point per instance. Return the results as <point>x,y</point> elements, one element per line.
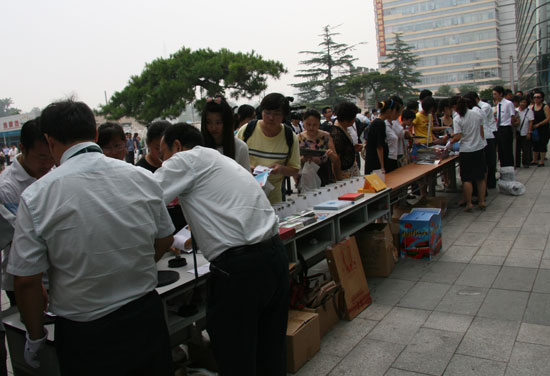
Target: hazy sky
<point>56,48</point>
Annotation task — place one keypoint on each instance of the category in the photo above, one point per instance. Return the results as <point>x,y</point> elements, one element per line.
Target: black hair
<point>275,101</point>
<point>454,100</point>
<point>524,98</point>
<point>538,91</point>
<point>462,106</point>
<point>324,109</point>
<point>258,113</point>
<point>408,115</point>
<point>424,94</point>
<point>244,111</point>
<point>346,111</point>
<point>428,104</point>
<point>412,105</point>
<point>228,135</point>
<point>31,133</point>
<point>519,93</point>
<point>156,130</point>
<point>312,112</point>
<point>499,89</point>
<point>444,103</point>
<point>392,103</point>
<point>68,121</point>
<point>471,99</point>
<point>507,91</point>
<point>516,98</point>
<point>296,116</point>
<point>107,131</point>
<point>185,133</point>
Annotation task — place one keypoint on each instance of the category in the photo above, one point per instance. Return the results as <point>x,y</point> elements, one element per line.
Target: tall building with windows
<point>533,51</point>
<point>457,41</point>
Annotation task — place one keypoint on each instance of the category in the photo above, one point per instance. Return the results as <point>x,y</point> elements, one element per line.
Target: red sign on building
<point>380,34</point>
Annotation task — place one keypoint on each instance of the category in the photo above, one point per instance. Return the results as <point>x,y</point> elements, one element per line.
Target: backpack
<point>289,135</point>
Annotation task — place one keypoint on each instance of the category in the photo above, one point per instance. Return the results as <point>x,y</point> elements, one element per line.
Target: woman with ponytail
<point>468,129</point>
<point>377,147</point>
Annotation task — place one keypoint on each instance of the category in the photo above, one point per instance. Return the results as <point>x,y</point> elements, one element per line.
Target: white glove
<point>32,347</point>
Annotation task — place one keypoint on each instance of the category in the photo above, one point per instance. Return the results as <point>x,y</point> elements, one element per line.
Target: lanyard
<point>523,120</point>
<point>88,149</point>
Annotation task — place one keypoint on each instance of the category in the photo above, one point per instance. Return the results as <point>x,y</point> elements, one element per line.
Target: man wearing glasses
<point>272,144</point>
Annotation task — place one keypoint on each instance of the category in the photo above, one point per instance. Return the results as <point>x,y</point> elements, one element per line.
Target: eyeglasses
<point>537,97</point>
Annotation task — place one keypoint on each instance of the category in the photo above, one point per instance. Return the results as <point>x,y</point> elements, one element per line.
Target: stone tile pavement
<point>481,307</point>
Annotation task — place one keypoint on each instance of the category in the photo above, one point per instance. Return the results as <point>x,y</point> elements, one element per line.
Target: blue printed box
<point>420,233</point>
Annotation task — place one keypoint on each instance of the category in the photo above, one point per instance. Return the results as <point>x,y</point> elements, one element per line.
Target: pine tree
<point>401,62</point>
<point>327,71</point>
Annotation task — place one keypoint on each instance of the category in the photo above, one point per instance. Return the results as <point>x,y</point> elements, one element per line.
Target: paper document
<point>180,238</point>
<point>201,270</point>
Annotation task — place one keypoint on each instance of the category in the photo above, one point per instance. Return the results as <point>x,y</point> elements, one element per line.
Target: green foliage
<point>6,109</point>
<point>327,71</point>
<point>466,88</point>
<point>379,86</point>
<point>445,91</point>
<point>401,62</point>
<point>166,85</point>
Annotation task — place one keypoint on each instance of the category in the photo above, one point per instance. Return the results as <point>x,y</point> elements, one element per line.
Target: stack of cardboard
<point>303,339</point>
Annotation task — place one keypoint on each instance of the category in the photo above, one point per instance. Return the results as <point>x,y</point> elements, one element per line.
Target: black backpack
<point>289,135</point>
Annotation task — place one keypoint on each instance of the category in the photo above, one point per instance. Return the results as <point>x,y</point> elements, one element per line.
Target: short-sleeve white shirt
<point>223,204</point>
<point>13,181</point>
<point>489,122</point>
<point>470,127</point>
<point>507,110</point>
<point>392,140</point>
<point>91,223</point>
<point>525,117</point>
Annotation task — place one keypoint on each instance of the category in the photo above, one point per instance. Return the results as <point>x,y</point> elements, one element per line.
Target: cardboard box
<point>375,243</point>
<point>346,269</point>
<point>420,233</point>
<point>328,312</point>
<point>303,340</point>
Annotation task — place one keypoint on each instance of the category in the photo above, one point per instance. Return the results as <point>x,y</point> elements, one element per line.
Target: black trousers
<point>491,160</point>
<point>247,309</point>
<point>505,141</point>
<point>133,340</point>
<point>524,153</point>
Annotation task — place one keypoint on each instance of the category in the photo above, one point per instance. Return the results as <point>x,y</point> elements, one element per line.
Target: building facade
<point>457,41</point>
<point>533,28</point>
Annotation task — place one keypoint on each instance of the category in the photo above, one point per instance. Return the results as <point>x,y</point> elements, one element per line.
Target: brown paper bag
<point>347,270</point>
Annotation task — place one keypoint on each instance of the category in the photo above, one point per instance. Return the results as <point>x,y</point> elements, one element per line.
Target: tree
<point>466,88</point>
<point>445,91</point>
<point>379,85</point>
<point>401,62</point>
<point>166,85</point>
<point>6,109</point>
<point>327,71</point>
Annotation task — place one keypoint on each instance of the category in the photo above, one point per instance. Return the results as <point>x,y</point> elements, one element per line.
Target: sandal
<point>482,207</point>
<point>469,210</point>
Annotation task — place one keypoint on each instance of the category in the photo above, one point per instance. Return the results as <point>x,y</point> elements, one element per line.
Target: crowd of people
<point>87,233</point>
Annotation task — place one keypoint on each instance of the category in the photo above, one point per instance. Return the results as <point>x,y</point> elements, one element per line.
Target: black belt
<point>244,249</point>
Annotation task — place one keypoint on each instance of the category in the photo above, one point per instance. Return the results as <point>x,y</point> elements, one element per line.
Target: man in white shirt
<point>236,229</point>
<point>524,153</point>
<point>504,112</point>
<point>96,225</point>
<point>489,130</point>
<point>34,162</point>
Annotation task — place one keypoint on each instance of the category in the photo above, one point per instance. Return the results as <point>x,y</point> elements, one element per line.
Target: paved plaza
<point>481,307</point>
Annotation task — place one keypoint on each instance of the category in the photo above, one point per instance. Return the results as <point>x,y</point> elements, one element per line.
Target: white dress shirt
<point>489,122</point>
<point>223,203</point>
<point>91,223</point>
<point>392,140</point>
<point>13,181</point>
<point>525,117</point>
<point>470,127</point>
<point>507,110</point>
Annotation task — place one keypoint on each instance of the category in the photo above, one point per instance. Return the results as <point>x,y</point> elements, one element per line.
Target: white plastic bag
<point>513,188</point>
<point>507,173</point>
<point>309,180</point>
